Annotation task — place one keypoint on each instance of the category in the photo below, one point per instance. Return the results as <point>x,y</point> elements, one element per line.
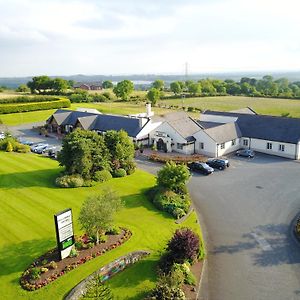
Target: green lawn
<point>28,200</point>
<point>268,106</point>
<point>121,108</point>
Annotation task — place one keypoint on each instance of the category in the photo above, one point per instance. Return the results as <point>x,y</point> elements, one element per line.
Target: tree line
<point>267,86</point>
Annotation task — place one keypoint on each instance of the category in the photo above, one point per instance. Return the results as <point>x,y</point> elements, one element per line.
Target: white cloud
<point>93,37</point>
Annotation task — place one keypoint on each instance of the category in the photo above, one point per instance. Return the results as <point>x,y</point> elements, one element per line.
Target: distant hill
<point>14,82</point>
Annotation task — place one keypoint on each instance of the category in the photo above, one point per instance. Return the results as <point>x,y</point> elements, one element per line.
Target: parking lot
<point>246,211</point>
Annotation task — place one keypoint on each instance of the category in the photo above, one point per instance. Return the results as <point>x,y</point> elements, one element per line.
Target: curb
<point>296,238</point>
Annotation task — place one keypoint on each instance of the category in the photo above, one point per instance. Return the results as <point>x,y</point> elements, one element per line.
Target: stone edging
<point>179,221</point>
<point>293,226</point>
<point>128,259</point>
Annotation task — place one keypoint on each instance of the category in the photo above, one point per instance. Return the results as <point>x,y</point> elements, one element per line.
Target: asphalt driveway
<point>246,211</point>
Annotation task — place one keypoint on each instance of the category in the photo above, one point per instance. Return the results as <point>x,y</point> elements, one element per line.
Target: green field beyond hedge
<point>28,200</point>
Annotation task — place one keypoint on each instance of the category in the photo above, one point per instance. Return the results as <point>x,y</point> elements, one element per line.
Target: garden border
<point>132,257</point>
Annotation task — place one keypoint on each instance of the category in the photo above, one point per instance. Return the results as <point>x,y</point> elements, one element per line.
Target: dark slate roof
<point>272,128</point>
<point>111,122</point>
<point>225,132</point>
<point>183,124</point>
<point>207,125</point>
<point>99,122</point>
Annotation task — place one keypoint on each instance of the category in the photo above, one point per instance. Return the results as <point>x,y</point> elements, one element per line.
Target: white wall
<point>228,147</point>
<point>210,147</point>
<point>298,150</point>
<point>261,146</point>
<point>147,129</point>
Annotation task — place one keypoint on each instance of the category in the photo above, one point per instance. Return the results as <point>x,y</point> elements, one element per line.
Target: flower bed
<point>48,267</point>
<point>177,159</point>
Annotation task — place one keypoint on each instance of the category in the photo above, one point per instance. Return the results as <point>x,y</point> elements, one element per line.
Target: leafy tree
<point>121,149</point>
<point>123,89</point>
<point>95,289</point>
<point>39,84</point>
<point>194,88</point>
<point>184,245</point>
<point>175,87</point>
<point>23,89</point>
<point>84,153</point>
<point>208,88</point>
<point>158,84</point>
<point>233,88</point>
<point>97,213</point>
<point>107,84</point>
<point>173,176</point>
<point>59,85</point>
<point>153,95</point>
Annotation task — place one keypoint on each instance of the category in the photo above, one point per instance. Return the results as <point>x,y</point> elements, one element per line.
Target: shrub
<point>28,99</point>
<point>102,176</point>
<point>129,166</point>
<point>173,176</point>
<point>69,181</point>
<point>189,277</point>
<point>175,204</point>
<point>22,148</point>
<point>90,245</point>
<point>167,288</point>
<point>73,252</point>
<point>191,109</point>
<point>119,173</point>
<point>99,98</point>
<point>24,107</point>
<point>34,273</point>
<point>9,147</point>
<point>114,231</point>
<point>44,270</point>
<point>103,239</point>
<point>52,265</point>
<point>79,245</point>
<point>184,245</point>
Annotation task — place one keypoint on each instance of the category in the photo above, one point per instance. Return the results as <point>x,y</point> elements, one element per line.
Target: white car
<point>2,135</point>
<point>36,148</point>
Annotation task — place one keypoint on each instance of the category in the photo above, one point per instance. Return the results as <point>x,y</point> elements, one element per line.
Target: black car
<point>245,153</point>
<point>201,167</point>
<point>218,163</point>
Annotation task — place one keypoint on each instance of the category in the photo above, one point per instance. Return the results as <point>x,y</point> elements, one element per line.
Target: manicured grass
<point>28,200</point>
<point>122,108</point>
<point>268,106</point>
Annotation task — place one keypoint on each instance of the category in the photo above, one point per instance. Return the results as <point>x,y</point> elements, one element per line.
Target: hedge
<point>27,99</point>
<point>11,108</point>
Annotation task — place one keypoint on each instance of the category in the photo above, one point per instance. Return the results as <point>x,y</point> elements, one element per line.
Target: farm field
<point>268,106</point>
<point>28,200</point>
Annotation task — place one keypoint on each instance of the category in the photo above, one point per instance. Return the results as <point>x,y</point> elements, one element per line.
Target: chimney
<point>149,113</point>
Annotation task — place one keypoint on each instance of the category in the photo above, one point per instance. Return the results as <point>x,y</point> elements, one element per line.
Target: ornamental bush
<point>102,176</point>
<point>119,173</point>
<point>173,176</point>
<point>184,245</point>
<point>69,181</point>
<point>175,204</point>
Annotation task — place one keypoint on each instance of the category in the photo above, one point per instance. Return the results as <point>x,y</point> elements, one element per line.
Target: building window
<point>281,147</point>
<point>179,146</point>
<point>233,142</point>
<point>223,146</point>
<point>201,145</point>
<point>245,143</point>
<point>269,146</point>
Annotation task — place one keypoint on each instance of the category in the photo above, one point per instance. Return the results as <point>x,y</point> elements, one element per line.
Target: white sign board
<point>64,232</point>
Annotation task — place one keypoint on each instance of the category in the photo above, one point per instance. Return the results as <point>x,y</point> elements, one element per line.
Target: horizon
<point>88,37</point>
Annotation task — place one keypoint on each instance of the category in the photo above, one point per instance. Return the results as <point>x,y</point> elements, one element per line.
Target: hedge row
<point>27,99</point>
<point>10,108</point>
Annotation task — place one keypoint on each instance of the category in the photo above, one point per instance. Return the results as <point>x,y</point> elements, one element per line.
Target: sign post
<point>64,232</point>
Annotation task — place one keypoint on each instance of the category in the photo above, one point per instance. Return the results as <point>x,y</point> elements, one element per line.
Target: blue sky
<point>141,37</point>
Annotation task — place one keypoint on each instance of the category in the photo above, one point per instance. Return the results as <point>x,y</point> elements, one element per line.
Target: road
<point>246,213</point>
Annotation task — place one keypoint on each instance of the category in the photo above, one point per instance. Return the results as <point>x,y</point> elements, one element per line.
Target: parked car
<point>201,167</point>
<point>245,153</point>
<point>218,163</point>
<point>2,135</point>
<point>53,153</point>
<point>39,148</point>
